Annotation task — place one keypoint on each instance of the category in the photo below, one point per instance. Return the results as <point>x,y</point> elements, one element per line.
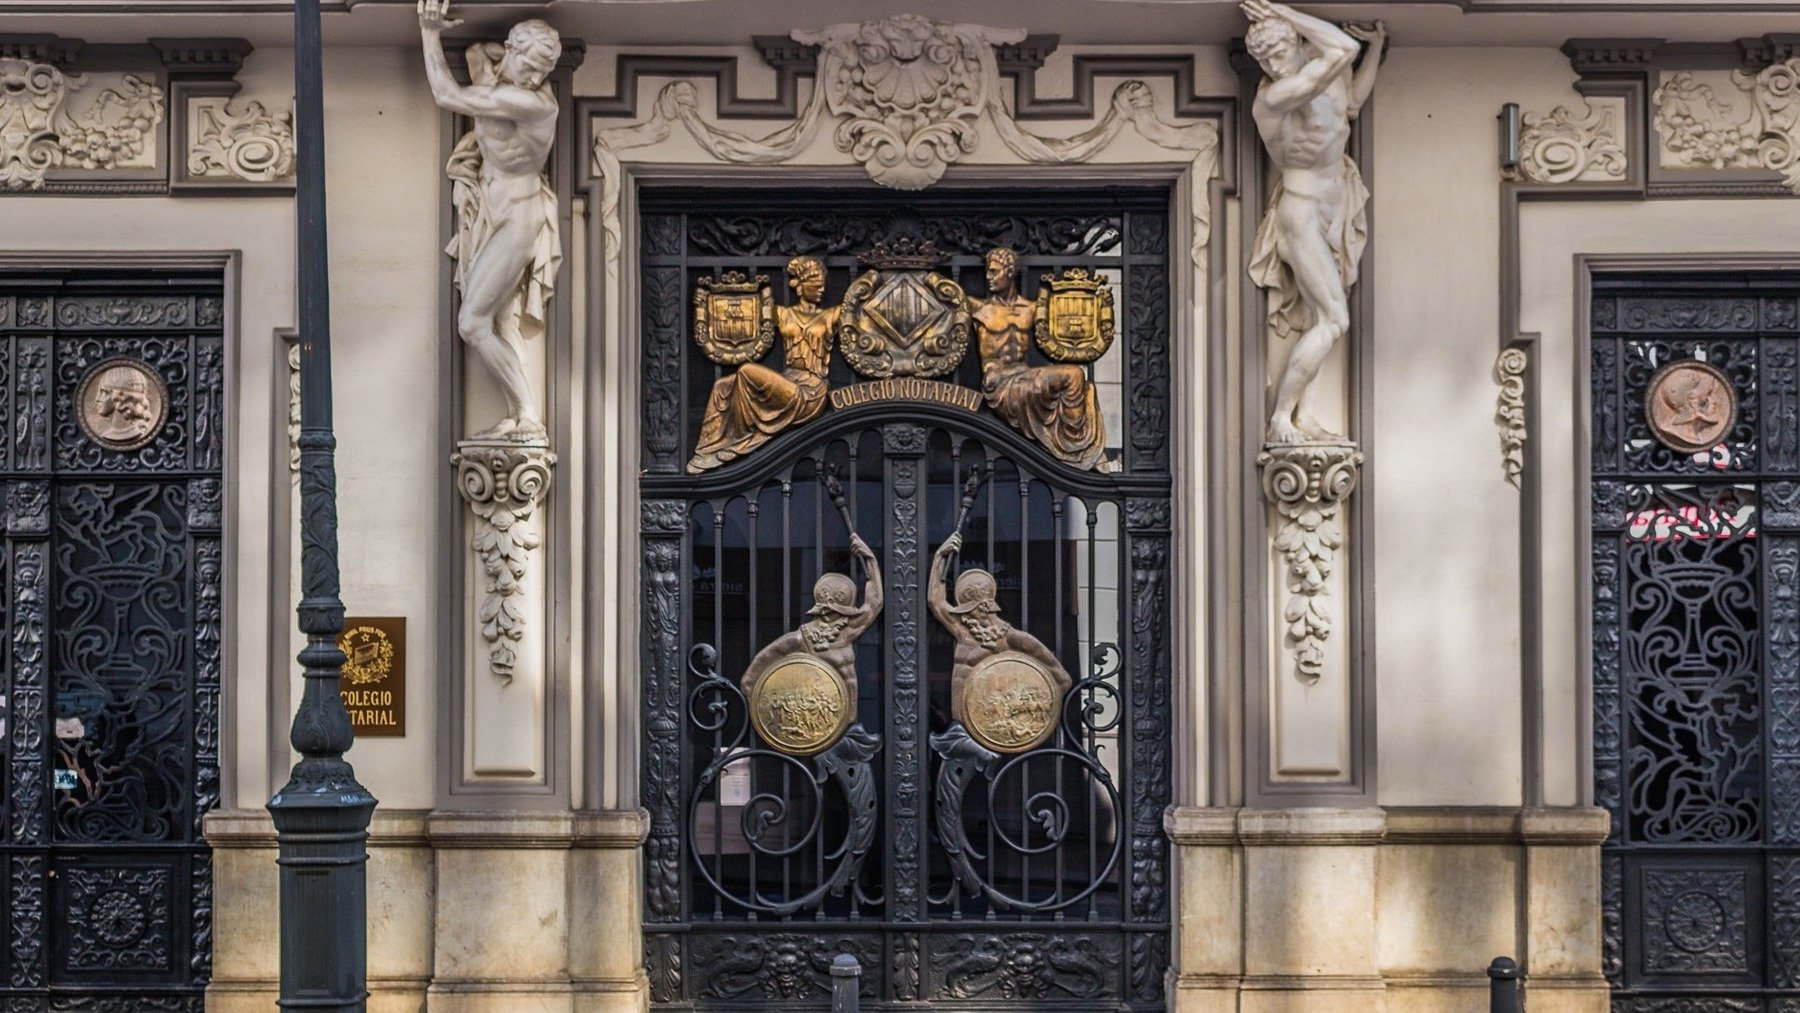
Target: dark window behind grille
<point>112,568</point>
<point>1062,902</point>
<point>1696,584</point>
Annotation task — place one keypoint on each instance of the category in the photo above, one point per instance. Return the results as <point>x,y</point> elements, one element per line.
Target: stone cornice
<point>1398,825</point>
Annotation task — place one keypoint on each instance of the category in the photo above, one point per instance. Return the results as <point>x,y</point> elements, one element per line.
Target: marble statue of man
<point>506,246</point>
<point>1313,233</point>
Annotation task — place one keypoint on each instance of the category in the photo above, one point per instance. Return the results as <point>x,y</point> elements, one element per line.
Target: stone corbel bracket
<point>146,118</point>
<point>504,482</point>
<point>1307,483</point>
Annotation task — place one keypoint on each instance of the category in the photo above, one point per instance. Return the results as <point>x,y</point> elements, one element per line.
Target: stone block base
<point>1384,911</point>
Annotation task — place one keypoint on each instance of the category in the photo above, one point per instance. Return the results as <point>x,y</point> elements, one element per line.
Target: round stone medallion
<point>121,404</point>
<point>1690,406</point>
<point>800,706</point>
<point>1011,702</point>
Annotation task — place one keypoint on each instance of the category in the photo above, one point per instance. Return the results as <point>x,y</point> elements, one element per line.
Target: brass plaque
<point>122,403</point>
<point>1691,406</point>
<point>1012,702</point>
<point>734,318</point>
<point>374,681</point>
<point>1075,317</point>
<point>801,706</point>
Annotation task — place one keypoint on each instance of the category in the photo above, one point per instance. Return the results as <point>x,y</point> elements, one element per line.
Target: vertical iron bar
<point>718,639</point>
<point>322,814</point>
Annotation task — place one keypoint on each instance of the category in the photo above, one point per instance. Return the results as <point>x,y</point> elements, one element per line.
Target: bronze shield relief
<point>734,318</point>
<point>1075,316</point>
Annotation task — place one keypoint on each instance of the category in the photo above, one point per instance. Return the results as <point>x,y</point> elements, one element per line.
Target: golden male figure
<point>506,249</point>
<point>974,621</point>
<point>1054,405</point>
<point>749,406</point>
<point>1313,233</point>
<point>837,623</point>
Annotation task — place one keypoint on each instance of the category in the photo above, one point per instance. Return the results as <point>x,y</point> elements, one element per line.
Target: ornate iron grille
<point>1696,583</point>
<point>111,401</point>
<point>958,876</point>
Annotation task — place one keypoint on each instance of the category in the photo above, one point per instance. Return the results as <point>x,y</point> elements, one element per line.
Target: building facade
<point>1097,505</point>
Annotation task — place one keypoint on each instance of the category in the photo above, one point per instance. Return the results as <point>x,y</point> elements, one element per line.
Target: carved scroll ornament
<point>247,143</point>
<point>1561,147</point>
<point>51,119</point>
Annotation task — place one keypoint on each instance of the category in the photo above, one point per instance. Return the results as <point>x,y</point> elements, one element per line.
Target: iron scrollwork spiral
<point>1090,709</point>
<point>717,706</point>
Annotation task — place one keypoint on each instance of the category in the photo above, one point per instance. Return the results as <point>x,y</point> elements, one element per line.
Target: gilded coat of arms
<point>734,318</point>
<point>1075,317</point>
<point>903,319</point>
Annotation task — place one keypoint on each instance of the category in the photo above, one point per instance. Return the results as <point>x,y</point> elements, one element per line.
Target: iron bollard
<point>1506,986</point>
<point>846,981</point>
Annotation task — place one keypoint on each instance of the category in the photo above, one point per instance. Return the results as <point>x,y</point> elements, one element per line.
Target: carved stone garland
<point>52,121</point>
<point>1308,483</point>
<point>503,481</point>
<point>1698,129</point>
<point>1509,373</point>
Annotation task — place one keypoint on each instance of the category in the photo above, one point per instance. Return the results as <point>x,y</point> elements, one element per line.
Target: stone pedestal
<point>506,680</point>
<point>1310,714</point>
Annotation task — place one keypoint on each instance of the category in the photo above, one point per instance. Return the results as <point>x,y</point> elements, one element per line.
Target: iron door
<point>1696,616</point>
<point>1026,877</point>
<point>111,393</point>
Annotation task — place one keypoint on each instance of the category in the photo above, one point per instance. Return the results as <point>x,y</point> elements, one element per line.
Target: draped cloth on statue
<point>1289,316</point>
<point>1054,405</point>
<point>475,223</point>
<point>753,404</point>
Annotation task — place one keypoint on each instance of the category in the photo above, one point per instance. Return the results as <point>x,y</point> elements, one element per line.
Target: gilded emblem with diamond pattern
<point>901,318</point>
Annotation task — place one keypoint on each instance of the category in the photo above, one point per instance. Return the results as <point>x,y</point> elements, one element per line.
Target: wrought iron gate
<point>111,405</point>
<point>1018,876</point>
<point>1696,584</point>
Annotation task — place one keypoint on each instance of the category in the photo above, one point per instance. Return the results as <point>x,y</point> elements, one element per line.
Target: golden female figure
<point>1054,405</point>
<point>756,402</point>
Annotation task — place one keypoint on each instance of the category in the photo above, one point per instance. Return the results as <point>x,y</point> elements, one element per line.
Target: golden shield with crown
<point>734,318</point>
<point>1075,316</point>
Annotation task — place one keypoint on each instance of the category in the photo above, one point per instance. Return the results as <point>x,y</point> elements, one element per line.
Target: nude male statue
<point>836,624</point>
<point>1312,236</point>
<point>507,248</point>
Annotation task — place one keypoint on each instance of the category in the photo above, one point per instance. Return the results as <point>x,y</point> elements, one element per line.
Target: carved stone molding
<point>61,119</point>
<point>239,141</point>
<point>1563,147</point>
<point>906,95</point>
<point>1509,373</point>
<point>291,342</point>
<point>1700,130</point>
<point>1307,484</point>
<point>504,482</point>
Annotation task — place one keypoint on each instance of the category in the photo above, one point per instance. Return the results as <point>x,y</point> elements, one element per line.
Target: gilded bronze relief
<point>902,318</point>
<point>902,325</point>
<point>1690,406</point>
<point>1075,316</point>
<point>802,687</point>
<point>734,318</point>
<point>749,406</point>
<point>1006,687</point>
